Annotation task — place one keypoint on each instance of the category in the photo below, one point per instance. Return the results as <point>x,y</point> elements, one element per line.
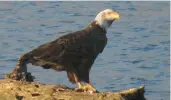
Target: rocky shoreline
<point>22,90</point>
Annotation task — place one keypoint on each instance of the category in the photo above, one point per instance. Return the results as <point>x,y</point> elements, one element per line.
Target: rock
<point>22,90</point>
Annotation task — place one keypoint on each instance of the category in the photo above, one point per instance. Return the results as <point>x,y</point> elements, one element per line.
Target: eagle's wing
<point>72,46</point>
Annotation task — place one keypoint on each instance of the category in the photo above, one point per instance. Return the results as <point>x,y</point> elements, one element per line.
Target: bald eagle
<point>74,53</point>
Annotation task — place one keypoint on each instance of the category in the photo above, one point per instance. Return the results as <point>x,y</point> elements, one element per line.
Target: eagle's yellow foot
<point>88,87</point>
<point>80,88</point>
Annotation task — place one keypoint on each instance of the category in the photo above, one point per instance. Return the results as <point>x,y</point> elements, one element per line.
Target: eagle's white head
<point>105,18</point>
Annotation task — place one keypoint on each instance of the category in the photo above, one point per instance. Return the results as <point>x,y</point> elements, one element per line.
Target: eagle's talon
<point>79,90</point>
<point>93,91</point>
<point>88,88</point>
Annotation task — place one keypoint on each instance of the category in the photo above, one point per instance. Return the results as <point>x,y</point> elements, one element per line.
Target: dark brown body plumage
<point>74,52</point>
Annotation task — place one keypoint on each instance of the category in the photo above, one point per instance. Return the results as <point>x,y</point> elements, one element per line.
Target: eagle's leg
<point>84,69</point>
<point>20,71</point>
<point>80,86</point>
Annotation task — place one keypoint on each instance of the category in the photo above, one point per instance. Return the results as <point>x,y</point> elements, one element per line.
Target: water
<point>137,51</point>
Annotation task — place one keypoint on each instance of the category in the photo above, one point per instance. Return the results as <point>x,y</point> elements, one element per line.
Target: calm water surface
<point>137,51</point>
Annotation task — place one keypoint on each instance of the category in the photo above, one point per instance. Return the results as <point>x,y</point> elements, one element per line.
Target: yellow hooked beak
<point>116,15</point>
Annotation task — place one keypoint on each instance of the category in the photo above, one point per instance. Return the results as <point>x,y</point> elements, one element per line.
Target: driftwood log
<point>22,90</point>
